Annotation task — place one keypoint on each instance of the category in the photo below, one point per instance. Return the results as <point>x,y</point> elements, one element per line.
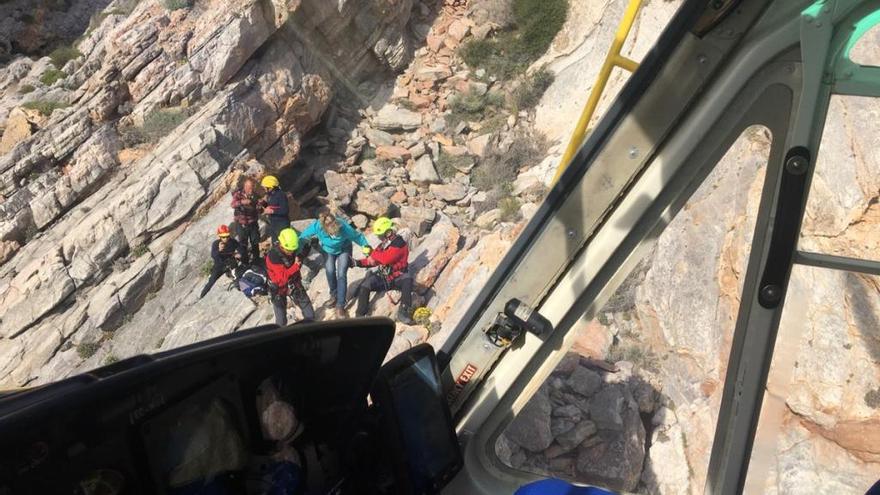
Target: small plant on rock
<point>139,251</point>
<point>207,268</point>
<point>45,107</point>
<point>472,106</point>
<point>532,88</point>
<point>86,350</point>
<point>157,124</point>
<point>51,76</point>
<point>508,209</point>
<point>447,165</point>
<point>63,54</point>
<point>26,88</point>
<point>110,359</point>
<point>177,4</point>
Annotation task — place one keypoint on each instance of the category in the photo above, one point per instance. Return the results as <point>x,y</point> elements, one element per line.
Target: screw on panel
<point>570,233</point>
<point>796,165</point>
<point>633,152</point>
<point>702,58</point>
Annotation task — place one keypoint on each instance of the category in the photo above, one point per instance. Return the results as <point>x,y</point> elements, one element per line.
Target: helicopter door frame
<point>765,82</point>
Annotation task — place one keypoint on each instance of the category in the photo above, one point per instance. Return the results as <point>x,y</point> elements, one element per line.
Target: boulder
<point>395,153</point>
<point>378,137</point>
<point>450,192</point>
<point>418,219</point>
<point>573,437</point>
<point>616,457</point>
<point>394,118</point>
<point>477,146</point>
<point>434,252</point>
<point>488,219</point>
<point>372,204</point>
<point>584,381</point>
<point>458,29</point>
<point>423,171</point>
<point>530,429</point>
<point>340,187</point>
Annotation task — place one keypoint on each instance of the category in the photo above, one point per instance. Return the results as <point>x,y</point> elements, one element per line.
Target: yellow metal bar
<point>613,59</point>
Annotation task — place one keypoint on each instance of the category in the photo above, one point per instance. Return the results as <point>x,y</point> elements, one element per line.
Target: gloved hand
<point>366,250</point>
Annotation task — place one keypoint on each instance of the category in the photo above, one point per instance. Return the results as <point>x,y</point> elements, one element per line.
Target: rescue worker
<point>245,204</point>
<point>392,259</point>
<point>226,253</point>
<point>283,268</point>
<point>275,206</point>
<point>335,236</point>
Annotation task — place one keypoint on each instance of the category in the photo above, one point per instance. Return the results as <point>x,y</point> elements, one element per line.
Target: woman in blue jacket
<point>335,236</point>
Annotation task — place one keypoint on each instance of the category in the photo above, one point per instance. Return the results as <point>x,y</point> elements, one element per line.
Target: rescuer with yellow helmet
<point>275,206</point>
<point>391,258</point>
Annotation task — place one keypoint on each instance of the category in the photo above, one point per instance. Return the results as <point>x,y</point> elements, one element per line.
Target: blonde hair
<point>329,223</point>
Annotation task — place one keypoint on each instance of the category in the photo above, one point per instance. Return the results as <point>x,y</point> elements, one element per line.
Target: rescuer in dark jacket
<point>227,254</point>
<point>275,207</point>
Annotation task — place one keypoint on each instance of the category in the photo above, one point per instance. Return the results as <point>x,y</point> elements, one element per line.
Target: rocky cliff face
<point>115,169</point>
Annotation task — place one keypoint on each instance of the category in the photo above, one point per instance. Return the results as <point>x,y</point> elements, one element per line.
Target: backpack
<point>253,283</point>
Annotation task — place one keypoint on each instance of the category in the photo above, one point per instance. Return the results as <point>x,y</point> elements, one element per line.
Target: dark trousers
<point>248,235</point>
<point>300,297</point>
<point>217,271</point>
<point>276,225</point>
<point>377,283</point>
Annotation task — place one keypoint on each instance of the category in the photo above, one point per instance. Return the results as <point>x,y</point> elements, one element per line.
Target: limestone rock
<point>450,192</point>
<point>423,171</point>
<point>418,219</point>
<point>531,427</point>
<point>371,204</point>
<point>392,118</point>
<point>340,187</point>
<point>378,137</point>
<point>434,252</point>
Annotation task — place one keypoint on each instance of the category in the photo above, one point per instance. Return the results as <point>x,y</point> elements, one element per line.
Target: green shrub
<point>51,76</point>
<point>536,23</point>
<point>501,167</point>
<point>407,104</point>
<point>207,268</point>
<point>86,350</point>
<point>157,124</point>
<point>508,209</point>
<point>447,165</point>
<point>63,54</point>
<point>139,251</point>
<point>472,106</point>
<point>532,88</point>
<point>45,107</point>
<point>110,359</point>
<point>368,153</point>
<point>177,4</point>
<point>26,88</point>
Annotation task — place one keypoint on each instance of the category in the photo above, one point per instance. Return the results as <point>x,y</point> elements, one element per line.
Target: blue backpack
<point>253,282</point>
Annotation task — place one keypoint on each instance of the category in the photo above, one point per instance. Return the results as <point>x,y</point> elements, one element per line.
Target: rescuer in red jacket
<point>392,259</point>
<point>282,267</point>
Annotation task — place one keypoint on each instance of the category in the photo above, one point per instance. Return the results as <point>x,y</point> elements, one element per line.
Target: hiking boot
<point>403,316</point>
<point>330,303</point>
<point>341,313</point>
